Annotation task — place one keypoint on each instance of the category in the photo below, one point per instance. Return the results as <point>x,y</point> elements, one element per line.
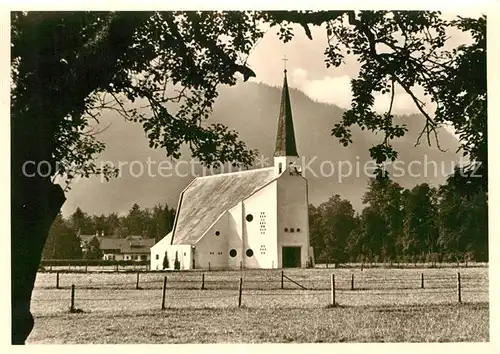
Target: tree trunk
<point>29,229</point>
<point>35,202</point>
<point>46,93</point>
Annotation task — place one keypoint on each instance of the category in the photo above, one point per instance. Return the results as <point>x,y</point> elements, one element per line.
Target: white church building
<point>249,219</point>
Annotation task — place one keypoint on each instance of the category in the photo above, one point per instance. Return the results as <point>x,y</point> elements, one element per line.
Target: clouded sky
<point>308,73</point>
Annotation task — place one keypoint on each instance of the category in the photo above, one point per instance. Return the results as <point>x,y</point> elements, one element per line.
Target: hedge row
<point>89,262</point>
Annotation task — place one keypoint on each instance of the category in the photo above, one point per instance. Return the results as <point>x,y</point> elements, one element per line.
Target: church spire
<point>285,138</point>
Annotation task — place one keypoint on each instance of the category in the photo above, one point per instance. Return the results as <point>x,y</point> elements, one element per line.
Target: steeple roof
<point>285,138</point>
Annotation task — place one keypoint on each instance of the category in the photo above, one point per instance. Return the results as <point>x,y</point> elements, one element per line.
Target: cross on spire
<point>284,61</point>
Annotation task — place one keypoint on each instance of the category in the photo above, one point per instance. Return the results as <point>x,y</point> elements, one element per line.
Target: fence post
<point>209,266</point>
<point>282,276</point>
<point>202,281</point>
<point>164,291</point>
<point>86,263</point>
<point>333,290</point>
<point>72,307</point>
<point>422,280</point>
<point>57,280</point>
<point>459,289</point>
<point>352,282</point>
<point>116,267</point>
<point>240,291</point>
<point>137,282</point>
<point>241,265</point>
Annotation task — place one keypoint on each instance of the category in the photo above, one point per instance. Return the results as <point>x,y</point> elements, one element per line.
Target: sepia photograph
<point>260,176</point>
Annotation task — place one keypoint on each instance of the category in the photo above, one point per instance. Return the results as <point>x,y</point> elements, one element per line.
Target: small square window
<point>292,230</point>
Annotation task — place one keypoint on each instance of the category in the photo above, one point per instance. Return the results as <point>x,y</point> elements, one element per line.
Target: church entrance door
<point>291,257</point>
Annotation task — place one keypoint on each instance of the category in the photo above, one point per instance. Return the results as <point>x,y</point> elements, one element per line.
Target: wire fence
<point>155,291</point>
<point>79,266</point>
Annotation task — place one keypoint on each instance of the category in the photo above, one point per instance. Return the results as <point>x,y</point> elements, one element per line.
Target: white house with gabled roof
<point>249,219</point>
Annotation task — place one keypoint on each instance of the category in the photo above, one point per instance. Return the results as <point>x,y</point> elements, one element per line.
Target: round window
<point>217,233</point>
<point>233,253</point>
<point>298,230</point>
<point>249,217</point>
<point>249,253</point>
<point>286,229</point>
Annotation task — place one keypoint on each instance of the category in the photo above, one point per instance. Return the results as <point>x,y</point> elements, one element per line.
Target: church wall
<point>184,255</point>
<point>212,248</point>
<point>235,235</point>
<point>293,214</point>
<point>260,233</point>
<point>158,252</point>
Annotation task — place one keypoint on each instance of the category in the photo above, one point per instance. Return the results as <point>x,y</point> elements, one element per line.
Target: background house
<point>132,248</point>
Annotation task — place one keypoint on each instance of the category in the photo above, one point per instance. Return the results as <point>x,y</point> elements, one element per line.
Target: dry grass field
<point>386,305</point>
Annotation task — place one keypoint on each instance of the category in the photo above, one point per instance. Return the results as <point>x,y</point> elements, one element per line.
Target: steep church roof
<point>285,138</point>
<point>206,198</point>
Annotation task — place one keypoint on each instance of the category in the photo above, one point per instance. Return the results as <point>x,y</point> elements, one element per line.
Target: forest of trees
<point>63,241</point>
<point>424,224</point>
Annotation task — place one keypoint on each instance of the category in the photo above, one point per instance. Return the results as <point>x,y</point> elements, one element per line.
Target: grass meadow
<point>381,305</point>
